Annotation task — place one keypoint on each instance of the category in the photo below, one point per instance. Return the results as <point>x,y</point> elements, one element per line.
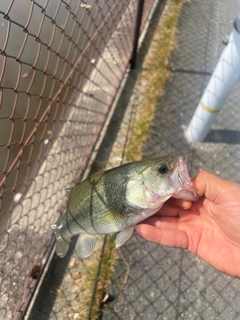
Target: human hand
<point>209,228</point>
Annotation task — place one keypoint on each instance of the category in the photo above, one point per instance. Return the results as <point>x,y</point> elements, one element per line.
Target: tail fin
<point>62,245</point>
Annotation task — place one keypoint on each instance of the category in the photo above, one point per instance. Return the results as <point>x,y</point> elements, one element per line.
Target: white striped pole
<point>222,81</point>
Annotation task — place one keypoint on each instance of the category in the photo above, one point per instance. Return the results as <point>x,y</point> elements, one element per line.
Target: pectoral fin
<point>86,244</point>
<point>123,236</point>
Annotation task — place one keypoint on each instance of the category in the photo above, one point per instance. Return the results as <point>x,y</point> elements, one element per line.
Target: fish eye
<point>163,168</point>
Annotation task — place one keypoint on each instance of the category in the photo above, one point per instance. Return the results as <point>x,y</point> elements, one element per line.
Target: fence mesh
<point>61,64</point>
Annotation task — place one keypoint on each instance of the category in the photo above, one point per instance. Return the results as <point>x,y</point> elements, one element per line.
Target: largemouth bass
<point>114,201</point>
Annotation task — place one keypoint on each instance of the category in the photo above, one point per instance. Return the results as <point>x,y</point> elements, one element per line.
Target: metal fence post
<point>137,32</point>
<point>221,83</point>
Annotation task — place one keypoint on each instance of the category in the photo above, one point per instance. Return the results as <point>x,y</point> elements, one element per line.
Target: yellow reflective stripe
<point>208,109</point>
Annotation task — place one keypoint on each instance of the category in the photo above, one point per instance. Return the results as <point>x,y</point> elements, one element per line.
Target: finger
<point>209,185</point>
<point>185,204</point>
<point>166,237</point>
<point>170,211</point>
<point>162,222</point>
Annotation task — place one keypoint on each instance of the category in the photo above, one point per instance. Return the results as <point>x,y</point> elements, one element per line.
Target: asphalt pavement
<point>167,283</point>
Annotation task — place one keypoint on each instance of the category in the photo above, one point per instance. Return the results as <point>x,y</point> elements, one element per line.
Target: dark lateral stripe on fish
<point>74,219</point>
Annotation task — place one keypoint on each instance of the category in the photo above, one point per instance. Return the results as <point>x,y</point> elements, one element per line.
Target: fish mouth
<point>183,176</point>
<point>182,182</point>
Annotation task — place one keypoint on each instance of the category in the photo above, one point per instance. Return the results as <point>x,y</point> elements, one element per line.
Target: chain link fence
<point>61,66</point>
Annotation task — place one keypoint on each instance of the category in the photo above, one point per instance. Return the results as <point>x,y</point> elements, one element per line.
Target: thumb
<point>209,185</point>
